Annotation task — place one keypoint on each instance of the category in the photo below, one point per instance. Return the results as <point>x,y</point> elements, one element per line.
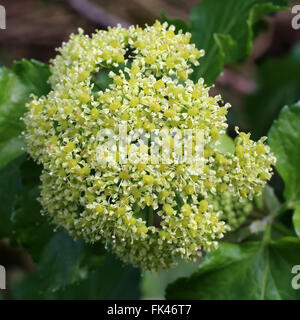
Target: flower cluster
<point>234,211</point>
<point>148,214</point>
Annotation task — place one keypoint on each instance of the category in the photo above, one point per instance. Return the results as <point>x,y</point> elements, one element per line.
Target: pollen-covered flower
<point>149,212</point>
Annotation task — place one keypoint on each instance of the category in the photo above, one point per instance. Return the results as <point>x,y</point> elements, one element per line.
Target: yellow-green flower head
<point>148,214</point>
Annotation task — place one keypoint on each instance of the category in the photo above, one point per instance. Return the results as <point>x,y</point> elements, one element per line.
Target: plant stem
<point>267,233</point>
<point>149,216</point>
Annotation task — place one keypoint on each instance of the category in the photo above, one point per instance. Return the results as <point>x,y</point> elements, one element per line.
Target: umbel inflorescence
<point>148,214</point>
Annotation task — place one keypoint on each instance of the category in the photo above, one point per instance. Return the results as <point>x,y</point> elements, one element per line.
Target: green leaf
<point>284,139</point>
<point>33,75</point>
<point>31,230</point>
<point>251,270</point>
<point>11,94</point>
<point>271,202</point>
<point>64,262</point>
<point>20,215</point>
<point>61,263</point>
<point>225,30</point>
<point>16,85</point>
<point>278,83</point>
<point>10,184</point>
<point>111,280</point>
